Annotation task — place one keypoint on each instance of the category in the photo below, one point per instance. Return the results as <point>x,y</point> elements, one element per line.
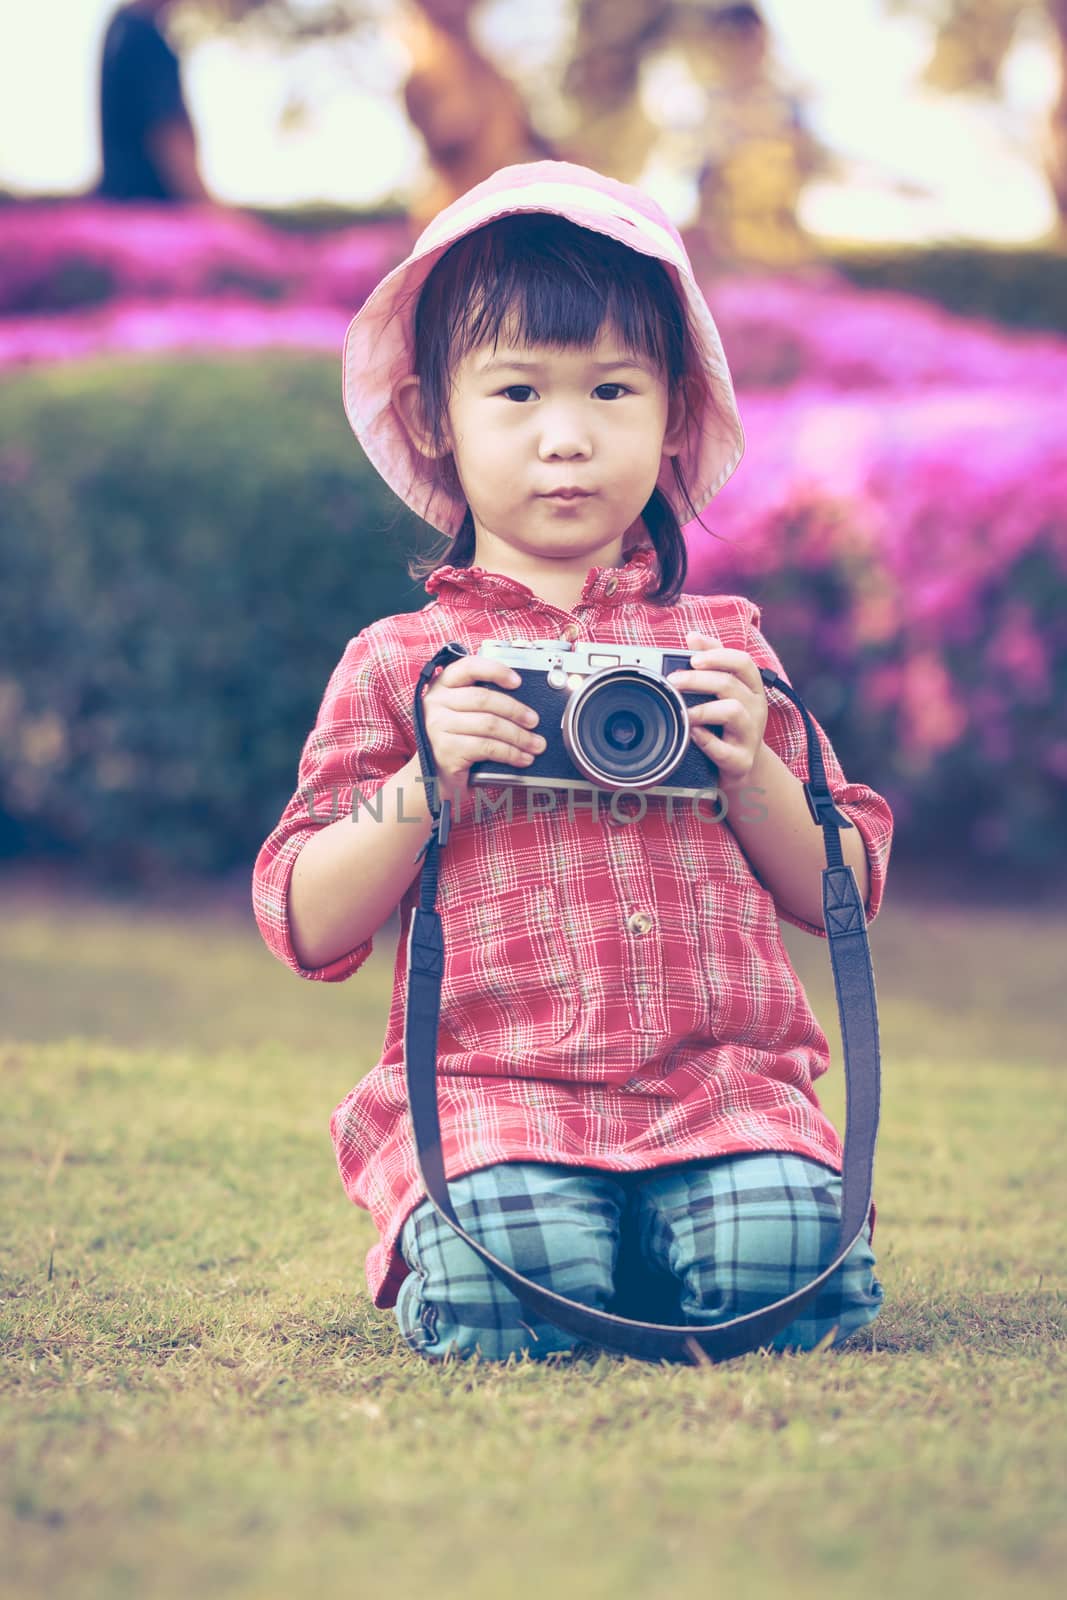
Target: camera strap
<point>846,929</point>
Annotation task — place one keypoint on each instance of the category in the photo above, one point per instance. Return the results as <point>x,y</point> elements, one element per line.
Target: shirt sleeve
<point>786,735</point>
<point>360,738</point>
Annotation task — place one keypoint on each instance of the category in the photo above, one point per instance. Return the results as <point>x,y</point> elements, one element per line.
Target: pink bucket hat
<point>379,343</point>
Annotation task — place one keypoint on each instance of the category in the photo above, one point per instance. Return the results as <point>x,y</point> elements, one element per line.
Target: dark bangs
<point>539,279</point>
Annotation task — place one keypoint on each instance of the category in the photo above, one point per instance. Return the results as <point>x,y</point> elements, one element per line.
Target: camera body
<point>609,718</point>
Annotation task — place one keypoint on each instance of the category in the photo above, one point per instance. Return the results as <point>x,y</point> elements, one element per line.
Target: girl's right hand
<point>466,721</point>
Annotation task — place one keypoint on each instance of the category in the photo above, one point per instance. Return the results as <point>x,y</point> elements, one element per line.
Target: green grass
<point>197,1397</point>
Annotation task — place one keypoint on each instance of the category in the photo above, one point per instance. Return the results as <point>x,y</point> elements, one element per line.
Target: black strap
<point>846,928</point>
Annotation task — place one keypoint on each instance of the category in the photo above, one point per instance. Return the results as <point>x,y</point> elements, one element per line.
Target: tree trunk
<point>1056,138</point>
<point>609,128</point>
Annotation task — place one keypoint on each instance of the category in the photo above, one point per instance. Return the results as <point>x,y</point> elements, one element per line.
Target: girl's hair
<point>561,281</point>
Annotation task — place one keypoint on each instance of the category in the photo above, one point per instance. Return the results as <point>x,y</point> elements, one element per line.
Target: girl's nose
<point>569,442</point>
<point>563,428</point>
<point>563,453</point>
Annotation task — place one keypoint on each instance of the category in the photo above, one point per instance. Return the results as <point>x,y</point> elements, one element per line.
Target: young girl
<point>626,1056</point>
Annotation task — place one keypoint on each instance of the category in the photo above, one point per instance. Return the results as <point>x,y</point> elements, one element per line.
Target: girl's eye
<point>526,386</point>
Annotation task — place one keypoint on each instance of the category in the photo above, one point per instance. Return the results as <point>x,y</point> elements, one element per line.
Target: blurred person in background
<point>147,139</point>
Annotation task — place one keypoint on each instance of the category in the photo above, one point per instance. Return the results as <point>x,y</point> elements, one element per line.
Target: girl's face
<point>523,422</point>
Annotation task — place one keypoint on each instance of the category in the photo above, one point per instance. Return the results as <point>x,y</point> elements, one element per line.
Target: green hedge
<point>186,548</point>
<point>1022,287</point>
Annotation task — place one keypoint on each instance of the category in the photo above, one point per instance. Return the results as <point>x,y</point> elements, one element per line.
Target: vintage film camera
<point>609,718</point>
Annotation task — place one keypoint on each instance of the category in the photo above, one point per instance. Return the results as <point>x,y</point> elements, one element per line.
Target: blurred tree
<point>611,130</point>
<point>607,125</point>
<point>1054,155</point>
<point>744,136</point>
<point>352,27</point>
<point>471,115</point>
<point>971,43</point>
<point>753,150</point>
<point>285,19</point>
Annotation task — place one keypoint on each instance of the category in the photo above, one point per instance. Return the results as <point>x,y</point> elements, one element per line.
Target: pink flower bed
<point>942,516</point>
<point>51,253</point>
<point>777,332</point>
<point>950,483</point>
<point>150,327</point>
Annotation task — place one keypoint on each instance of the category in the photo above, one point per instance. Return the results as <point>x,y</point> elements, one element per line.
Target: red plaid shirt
<point>616,994</point>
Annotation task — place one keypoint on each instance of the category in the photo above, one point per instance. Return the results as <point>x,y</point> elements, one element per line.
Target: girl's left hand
<point>741,709</point>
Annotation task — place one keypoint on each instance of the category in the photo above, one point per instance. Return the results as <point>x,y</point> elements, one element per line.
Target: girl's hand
<point>468,722</point>
<point>741,708</point>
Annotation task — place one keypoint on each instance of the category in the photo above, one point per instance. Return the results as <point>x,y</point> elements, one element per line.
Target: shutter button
<point>611,585</point>
<point>640,922</point>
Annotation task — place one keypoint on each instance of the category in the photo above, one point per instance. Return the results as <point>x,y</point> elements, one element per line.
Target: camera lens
<point>623,730</point>
<point>626,728</point>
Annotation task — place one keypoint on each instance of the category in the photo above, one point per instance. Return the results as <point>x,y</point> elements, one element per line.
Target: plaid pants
<point>732,1234</point>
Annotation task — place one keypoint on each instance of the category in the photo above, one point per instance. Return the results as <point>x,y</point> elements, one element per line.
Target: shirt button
<point>640,922</point>
<point>611,585</point>
<point>570,632</point>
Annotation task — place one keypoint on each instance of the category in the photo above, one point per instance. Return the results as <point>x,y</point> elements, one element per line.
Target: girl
<point>626,1056</point>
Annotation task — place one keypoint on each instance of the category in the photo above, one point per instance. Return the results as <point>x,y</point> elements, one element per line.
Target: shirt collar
<point>492,591</point>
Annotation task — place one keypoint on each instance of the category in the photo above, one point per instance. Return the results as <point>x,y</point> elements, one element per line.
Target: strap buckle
<point>822,808</point>
<point>440,831</point>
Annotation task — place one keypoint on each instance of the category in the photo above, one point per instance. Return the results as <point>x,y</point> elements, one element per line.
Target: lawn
<point>198,1397</point>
